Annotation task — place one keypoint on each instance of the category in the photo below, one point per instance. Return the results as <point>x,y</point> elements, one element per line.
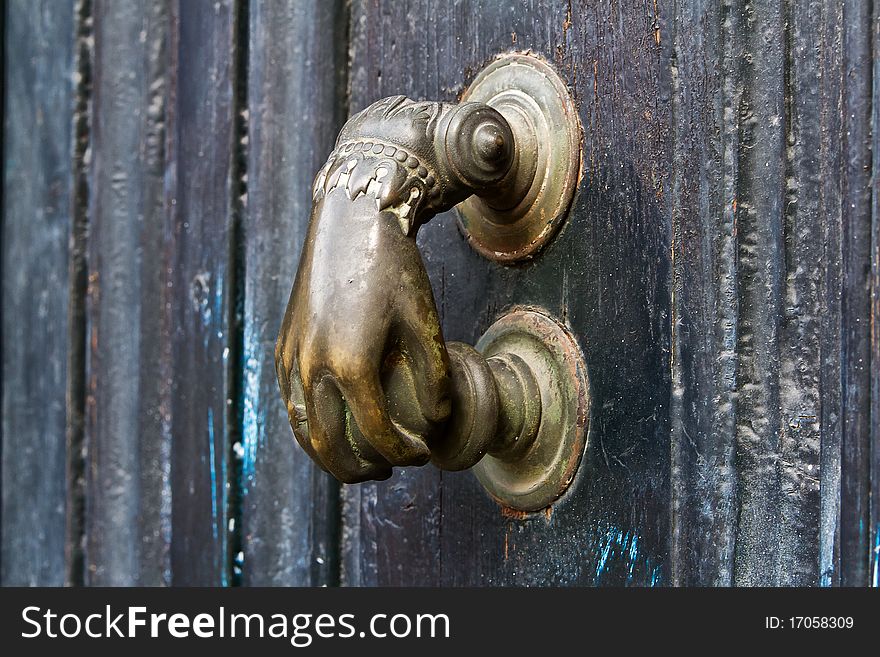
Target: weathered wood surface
<point>202,178</point>
<point>771,315</point>
<point>128,441</point>
<point>161,314</point>
<point>856,548</point>
<point>704,257</point>
<point>715,267</point>
<point>37,200</point>
<point>721,268</point>
<point>607,274</point>
<point>874,535</point>
<point>296,105</point>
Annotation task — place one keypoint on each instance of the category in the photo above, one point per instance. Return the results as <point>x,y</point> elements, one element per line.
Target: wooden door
<point>720,268</point>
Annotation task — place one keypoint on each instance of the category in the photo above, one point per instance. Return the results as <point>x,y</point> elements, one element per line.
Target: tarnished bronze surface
<point>368,380</point>
<point>362,306</point>
<point>519,217</point>
<point>530,476</point>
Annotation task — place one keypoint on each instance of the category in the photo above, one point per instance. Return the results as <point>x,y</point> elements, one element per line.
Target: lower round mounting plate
<point>536,102</point>
<point>543,473</point>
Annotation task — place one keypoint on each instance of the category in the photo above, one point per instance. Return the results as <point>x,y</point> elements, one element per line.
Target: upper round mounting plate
<point>535,100</point>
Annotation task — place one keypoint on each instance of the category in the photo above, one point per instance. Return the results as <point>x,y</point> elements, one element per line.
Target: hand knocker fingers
<point>292,391</point>
<point>367,403</point>
<point>327,432</point>
<point>423,340</point>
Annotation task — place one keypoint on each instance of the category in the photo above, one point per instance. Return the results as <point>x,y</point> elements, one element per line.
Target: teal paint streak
<point>211,457</point>
<point>217,518</point>
<point>253,415</point>
<point>603,560</point>
<point>633,555</point>
<point>221,521</point>
<point>210,296</point>
<point>875,578</point>
<point>617,547</point>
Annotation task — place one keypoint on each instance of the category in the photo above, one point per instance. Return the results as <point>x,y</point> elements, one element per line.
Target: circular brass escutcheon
<point>534,479</point>
<point>520,217</point>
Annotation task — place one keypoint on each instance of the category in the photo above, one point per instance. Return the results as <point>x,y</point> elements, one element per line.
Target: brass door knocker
<point>367,377</point>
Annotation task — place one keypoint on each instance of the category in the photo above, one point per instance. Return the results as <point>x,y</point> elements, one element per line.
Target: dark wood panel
<point>202,180</point>
<point>607,275</point>
<point>128,503</point>
<point>721,269</point>
<point>804,266</point>
<point>875,323</point>
<point>716,268</point>
<point>855,301</point>
<point>296,105</point>
<point>39,96</point>
<point>703,147</point>
<point>757,289</point>
<point>830,375</point>
<point>759,190</point>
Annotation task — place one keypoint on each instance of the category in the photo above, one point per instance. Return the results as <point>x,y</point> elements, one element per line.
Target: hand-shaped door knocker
<point>368,380</point>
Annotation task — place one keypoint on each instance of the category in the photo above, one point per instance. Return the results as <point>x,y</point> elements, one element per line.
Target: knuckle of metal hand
<point>351,365</point>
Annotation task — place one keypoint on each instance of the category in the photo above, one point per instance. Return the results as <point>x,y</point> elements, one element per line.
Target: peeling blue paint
<point>221,521</point>
<point>217,518</point>
<point>253,416</point>
<point>219,303</point>
<point>603,559</point>
<point>209,298</point>
<point>655,576</point>
<point>619,551</point>
<point>633,554</point>
<point>213,471</point>
<point>875,578</point>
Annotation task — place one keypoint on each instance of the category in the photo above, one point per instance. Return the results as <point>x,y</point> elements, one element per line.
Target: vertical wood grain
<point>740,133</point>
<point>704,97</point>
<point>201,183</point>
<point>79,276</point>
<point>875,314</point>
<point>762,203</point>
<point>606,275</point>
<point>759,195</point>
<point>37,200</point>
<point>803,266</point>
<point>127,510</point>
<point>720,268</point>
<point>856,241</point>
<point>296,105</point>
